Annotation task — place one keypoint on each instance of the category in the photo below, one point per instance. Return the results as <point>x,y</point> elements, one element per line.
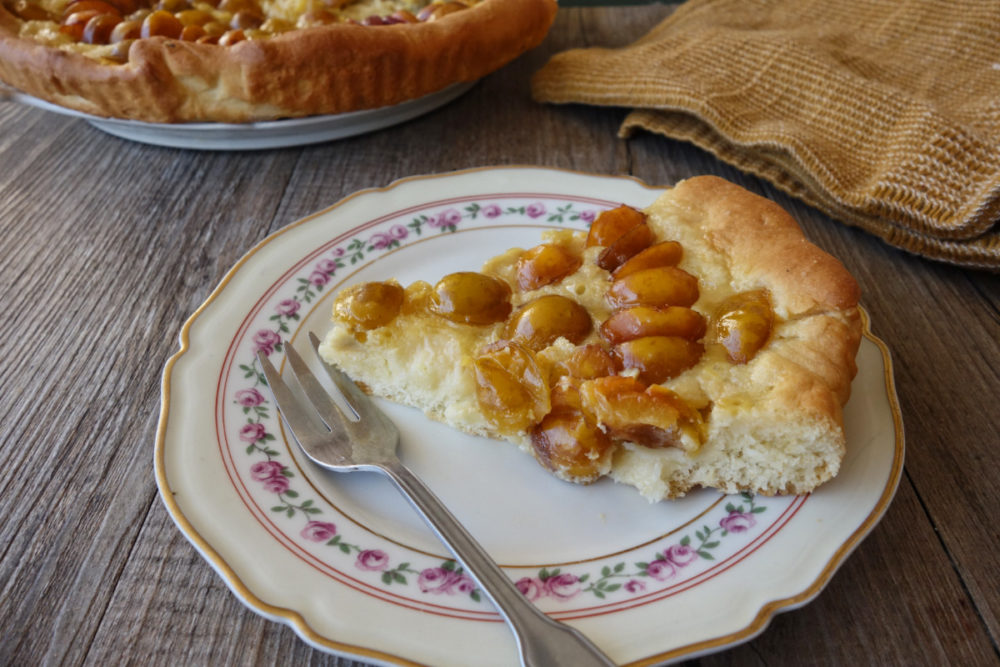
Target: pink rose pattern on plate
<point>665,566</point>
<point>446,578</point>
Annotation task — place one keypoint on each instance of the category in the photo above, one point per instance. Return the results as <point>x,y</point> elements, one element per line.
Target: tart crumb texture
<point>171,61</point>
<point>703,342</point>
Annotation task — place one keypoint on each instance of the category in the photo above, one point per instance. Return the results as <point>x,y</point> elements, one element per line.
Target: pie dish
<point>700,342</point>
<point>281,59</point>
<point>577,541</point>
<point>258,135</point>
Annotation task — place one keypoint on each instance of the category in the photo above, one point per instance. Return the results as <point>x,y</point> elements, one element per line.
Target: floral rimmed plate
<point>346,563</point>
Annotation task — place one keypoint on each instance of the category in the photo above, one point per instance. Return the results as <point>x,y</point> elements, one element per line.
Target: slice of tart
<point>703,342</point>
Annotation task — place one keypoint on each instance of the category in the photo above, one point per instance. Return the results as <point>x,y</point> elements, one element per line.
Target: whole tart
<point>252,60</point>
<point>702,342</point>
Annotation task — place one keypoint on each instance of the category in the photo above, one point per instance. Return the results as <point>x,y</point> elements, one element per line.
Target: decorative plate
<point>346,562</point>
<point>254,136</point>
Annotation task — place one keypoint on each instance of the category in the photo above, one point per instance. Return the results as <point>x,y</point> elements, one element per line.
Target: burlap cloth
<point>885,114</point>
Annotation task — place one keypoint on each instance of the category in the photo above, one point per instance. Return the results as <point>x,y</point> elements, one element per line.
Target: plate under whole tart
<point>275,69</point>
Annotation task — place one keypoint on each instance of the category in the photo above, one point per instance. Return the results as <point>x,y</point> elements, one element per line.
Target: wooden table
<point>108,246</point>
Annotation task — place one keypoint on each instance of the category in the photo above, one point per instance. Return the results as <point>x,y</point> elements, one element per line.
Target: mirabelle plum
<point>231,37</point>
<point>611,224</point>
<point>538,323</point>
<point>126,31</point>
<point>192,33</point>
<point>659,358</point>
<point>194,17</point>
<point>569,442</point>
<point>74,24</point>
<point>659,287</point>
<point>652,416</point>
<point>368,306</point>
<point>98,29</point>
<point>742,324</point>
<point>544,264</point>
<point>161,23</point>
<point>591,361</point>
<point>417,297</point>
<point>640,321</point>
<point>667,253</point>
<point>246,19</point>
<point>511,388</point>
<point>625,246</point>
<point>473,298</point>
<point>214,29</point>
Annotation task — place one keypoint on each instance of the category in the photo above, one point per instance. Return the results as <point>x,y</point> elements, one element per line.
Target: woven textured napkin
<point>885,114</point>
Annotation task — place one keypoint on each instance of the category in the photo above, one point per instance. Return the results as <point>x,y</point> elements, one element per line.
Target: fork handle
<point>540,639</point>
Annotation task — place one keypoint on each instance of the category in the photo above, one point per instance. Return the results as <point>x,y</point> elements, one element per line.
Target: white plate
<point>253,136</point>
<point>346,563</point>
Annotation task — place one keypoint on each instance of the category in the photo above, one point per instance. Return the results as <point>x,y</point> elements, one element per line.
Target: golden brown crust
<point>763,242</point>
<point>321,70</point>
<point>805,371</point>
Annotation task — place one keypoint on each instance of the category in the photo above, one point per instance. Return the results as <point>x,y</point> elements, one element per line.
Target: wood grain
<point>108,246</point>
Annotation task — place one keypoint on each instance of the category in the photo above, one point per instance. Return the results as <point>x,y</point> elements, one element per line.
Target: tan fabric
<point>885,114</point>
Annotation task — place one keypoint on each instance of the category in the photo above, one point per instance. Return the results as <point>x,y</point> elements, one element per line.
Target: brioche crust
<point>327,69</point>
<point>773,425</point>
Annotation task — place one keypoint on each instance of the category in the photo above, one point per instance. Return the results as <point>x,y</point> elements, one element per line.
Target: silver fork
<point>369,443</point>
